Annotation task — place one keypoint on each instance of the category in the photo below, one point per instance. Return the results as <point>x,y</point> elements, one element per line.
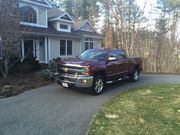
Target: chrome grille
<point>71,70</point>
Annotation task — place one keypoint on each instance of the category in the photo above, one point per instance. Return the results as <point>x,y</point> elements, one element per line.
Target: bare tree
<point>156,40</point>
<point>9,32</point>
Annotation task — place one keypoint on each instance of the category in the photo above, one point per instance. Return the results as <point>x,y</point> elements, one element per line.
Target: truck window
<point>123,54</point>
<point>117,53</point>
<point>93,55</point>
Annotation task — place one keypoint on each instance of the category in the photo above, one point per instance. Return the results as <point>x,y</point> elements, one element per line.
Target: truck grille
<point>71,70</point>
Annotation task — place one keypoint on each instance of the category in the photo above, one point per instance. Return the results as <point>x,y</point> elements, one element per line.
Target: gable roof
<point>80,23</point>
<point>39,2</point>
<point>56,14</point>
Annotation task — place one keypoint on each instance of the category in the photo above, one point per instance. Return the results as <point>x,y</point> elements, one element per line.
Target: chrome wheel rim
<point>99,84</point>
<point>136,75</point>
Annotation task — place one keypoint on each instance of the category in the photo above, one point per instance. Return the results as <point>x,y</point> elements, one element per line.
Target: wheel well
<point>101,73</point>
<point>137,67</point>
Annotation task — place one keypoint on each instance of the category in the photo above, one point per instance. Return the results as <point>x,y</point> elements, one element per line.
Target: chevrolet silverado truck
<point>96,67</point>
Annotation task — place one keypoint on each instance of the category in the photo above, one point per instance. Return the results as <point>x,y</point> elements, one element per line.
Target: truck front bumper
<point>74,80</point>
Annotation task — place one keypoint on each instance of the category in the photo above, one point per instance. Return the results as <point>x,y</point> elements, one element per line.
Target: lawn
<point>146,111</point>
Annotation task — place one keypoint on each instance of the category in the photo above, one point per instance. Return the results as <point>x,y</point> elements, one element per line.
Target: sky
<point>148,4</point>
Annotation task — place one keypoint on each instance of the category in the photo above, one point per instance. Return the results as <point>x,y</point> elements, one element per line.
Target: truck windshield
<point>93,55</point>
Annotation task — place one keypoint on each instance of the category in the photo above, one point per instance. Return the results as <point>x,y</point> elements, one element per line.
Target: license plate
<point>65,85</point>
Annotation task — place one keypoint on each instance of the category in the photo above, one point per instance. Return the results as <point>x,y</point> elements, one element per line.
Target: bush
<point>16,66</point>
<point>49,73</point>
<point>14,62</point>
<point>29,65</point>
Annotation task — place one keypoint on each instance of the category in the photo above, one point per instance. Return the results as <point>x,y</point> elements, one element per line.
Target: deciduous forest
<point>152,34</point>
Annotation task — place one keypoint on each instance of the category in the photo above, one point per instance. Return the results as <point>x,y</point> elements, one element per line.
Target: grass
<point>146,111</point>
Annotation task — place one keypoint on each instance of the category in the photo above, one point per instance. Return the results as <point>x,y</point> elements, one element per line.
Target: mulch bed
<point>18,83</point>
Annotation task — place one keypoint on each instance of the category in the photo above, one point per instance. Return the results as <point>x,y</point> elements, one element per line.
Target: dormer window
<point>63,26</point>
<point>28,14</point>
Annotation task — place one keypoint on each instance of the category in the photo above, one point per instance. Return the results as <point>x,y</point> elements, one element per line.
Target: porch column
<point>37,50</point>
<point>46,49</point>
<point>49,49</point>
<point>22,48</point>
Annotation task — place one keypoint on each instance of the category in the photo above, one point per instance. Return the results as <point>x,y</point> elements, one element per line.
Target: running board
<point>108,82</point>
<point>114,81</point>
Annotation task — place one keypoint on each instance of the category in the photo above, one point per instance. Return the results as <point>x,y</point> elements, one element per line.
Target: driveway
<point>52,110</point>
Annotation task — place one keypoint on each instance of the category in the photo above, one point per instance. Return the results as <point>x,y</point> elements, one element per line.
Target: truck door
<point>112,66</point>
<point>123,62</point>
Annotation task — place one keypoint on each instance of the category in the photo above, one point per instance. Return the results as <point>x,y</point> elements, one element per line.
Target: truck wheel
<point>135,76</point>
<point>98,85</point>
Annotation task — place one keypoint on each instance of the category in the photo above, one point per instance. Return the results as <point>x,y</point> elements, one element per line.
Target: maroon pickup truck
<point>97,67</point>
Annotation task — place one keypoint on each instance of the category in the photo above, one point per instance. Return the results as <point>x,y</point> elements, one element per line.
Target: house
<point>51,33</point>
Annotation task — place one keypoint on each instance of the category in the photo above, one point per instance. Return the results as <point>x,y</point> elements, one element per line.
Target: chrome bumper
<point>76,80</point>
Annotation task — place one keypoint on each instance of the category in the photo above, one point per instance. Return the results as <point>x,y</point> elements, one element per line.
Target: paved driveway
<point>52,110</point>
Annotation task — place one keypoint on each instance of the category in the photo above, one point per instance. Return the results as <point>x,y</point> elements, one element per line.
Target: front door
<point>28,49</point>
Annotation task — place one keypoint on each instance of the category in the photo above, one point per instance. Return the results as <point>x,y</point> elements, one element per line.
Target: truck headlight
<point>84,81</point>
<point>87,73</point>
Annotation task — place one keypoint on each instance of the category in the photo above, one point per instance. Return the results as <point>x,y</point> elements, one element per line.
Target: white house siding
<point>96,44</point>
<point>54,46</point>
<point>76,47</point>
<point>42,50</point>
<point>42,19</point>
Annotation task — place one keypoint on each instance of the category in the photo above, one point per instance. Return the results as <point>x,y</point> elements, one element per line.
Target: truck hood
<point>79,63</point>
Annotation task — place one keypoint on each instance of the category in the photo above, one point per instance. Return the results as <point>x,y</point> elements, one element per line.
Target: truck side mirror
<point>112,59</point>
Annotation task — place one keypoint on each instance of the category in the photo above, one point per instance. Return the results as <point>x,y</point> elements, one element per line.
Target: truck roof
<point>107,49</point>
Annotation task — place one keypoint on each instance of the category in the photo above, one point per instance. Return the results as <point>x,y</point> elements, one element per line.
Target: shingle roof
<point>51,31</point>
<point>54,13</point>
<point>78,23</point>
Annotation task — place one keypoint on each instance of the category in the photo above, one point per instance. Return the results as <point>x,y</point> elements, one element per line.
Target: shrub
<point>30,64</point>
<point>14,62</point>
<point>49,73</point>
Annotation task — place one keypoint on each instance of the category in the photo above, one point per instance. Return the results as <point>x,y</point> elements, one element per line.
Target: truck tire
<point>134,77</point>
<point>98,85</point>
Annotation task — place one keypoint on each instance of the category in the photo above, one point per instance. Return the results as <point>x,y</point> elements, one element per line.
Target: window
<point>117,53</point>
<point>0,48</point>
<point>89,44</point>
<point>28,14</point>
<point>93,55</point>
<point>86,45</point>
<point>65,47</point>
<point>63,26</point>
<point>69,47</point>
